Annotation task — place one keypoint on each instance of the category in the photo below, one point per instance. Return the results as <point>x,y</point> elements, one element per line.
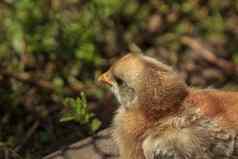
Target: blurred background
<point>51,52</point>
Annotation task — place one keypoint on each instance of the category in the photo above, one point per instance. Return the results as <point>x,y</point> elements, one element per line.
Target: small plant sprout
<point>80,113</point>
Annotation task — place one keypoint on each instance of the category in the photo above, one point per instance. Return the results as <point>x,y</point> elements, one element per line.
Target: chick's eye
<point>119,81</point>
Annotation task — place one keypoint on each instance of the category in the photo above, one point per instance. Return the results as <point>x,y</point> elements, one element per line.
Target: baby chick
<point>160,117</point>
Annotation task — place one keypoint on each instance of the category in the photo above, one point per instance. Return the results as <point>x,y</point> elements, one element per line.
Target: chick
<point>160,117</point>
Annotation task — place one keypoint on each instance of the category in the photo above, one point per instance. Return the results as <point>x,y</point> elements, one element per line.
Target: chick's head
<point>142,82</point>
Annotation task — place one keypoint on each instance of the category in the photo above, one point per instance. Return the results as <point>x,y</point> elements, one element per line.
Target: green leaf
<point>44,137</point>
<point>95,125</point>
<point>66,119</point>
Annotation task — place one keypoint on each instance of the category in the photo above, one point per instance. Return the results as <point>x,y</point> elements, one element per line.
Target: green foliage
<point>46,27</point>
<point>79,113</point>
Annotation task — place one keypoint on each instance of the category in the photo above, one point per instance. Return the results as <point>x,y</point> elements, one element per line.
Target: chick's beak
<point>104,78</point>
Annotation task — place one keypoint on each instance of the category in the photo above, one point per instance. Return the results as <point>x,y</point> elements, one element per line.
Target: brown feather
<point>215,104</point>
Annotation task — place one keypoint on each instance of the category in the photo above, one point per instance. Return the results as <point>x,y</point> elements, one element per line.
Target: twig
<point>15,154</point>
<point>208,55</point>
<point>44,84</point>
<point>26,78</point>
<point>6,154</point>
<point>8,151</point>
<point>28,136</point>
